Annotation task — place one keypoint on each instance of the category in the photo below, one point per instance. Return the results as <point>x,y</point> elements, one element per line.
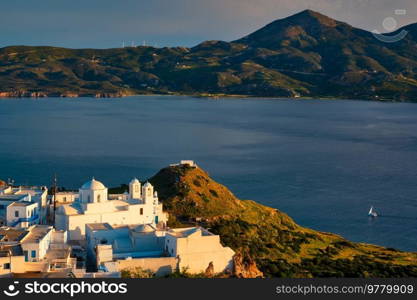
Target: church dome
<point>147,184</point>
<point>134,180</point>
<point>93,185</point>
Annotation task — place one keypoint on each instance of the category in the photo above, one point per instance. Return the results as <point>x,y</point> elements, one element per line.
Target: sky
<point>109,23</point>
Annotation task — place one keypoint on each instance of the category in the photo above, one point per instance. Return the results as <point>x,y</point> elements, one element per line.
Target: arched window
<point>98,198</point>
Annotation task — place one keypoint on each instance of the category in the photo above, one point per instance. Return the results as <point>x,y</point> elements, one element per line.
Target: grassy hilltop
<point>307,54</point>
<point>270,238</point>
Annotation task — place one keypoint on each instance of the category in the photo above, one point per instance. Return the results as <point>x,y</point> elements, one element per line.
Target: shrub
<point>137,272</point>
<point>214,193</point>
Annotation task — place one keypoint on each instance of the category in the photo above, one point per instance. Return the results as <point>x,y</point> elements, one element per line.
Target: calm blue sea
<point>322,162</point>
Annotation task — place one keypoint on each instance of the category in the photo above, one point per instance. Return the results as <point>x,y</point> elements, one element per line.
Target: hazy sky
<point>107,23</point>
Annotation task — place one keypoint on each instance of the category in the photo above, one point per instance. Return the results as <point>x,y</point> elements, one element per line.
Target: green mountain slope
<point>279,246</point>
<point>307,54</point>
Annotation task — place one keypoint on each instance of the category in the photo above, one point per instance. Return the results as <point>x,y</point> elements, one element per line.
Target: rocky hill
<point>268,237</point>
<point>307,54</point>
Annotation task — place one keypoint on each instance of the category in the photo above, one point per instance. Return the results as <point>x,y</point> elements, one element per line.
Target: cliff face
<point>267,239</point>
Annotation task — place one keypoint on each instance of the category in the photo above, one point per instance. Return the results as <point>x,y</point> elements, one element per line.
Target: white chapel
<point>140,206</point>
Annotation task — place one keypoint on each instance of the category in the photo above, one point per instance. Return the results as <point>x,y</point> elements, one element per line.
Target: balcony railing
<point>34,218</point>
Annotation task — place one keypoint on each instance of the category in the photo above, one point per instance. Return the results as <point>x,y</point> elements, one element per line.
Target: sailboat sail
<point>372,213</point>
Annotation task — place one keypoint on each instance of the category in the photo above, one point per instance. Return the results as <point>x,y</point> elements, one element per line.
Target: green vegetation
<point>137,273</point>
<point>270,238</point>
<point>307,55</point>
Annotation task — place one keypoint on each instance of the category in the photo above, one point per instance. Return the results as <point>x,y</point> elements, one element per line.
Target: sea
<point>323,162</point>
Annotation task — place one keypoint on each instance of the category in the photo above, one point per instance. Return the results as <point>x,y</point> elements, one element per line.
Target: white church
<point>140,206</point>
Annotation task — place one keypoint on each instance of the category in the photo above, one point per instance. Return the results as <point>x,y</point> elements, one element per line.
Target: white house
<point>196,247</point>
<point>18,210</point>
<point>115,248</point>
<point>11,254</point>
<point>141,206</point>
<point>22,214</point>
<point>66,197</point>
<point>21,194</point>
<point>39,248</point>
<point>38,195</point>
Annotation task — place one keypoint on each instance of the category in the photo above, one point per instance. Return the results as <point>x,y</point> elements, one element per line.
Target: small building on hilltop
<point>188,163</point>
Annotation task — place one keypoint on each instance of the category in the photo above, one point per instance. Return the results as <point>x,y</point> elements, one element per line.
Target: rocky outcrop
<point>210,270</point>
<point>245,267</point>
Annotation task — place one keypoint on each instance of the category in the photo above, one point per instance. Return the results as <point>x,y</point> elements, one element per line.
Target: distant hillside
<point>279,246</point>
<point>307,54</point>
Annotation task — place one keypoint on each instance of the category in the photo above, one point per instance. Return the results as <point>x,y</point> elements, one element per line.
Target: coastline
<point>98,95</point>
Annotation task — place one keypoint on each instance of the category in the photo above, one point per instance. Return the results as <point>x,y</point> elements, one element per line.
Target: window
<point>136,188</point>
<point>141,211</point>
<point>16,214</point>
<point>6,266</point>
<point>98,198</point>
<point>33,253</point>
<point>88,198</point>
<point>65,199</point>
<point>26,255</point>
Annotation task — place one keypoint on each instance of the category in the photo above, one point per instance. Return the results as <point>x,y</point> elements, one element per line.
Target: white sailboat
<point>372,212</point>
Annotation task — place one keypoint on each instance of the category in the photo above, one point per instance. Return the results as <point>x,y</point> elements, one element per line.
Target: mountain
<point>307,54</point>
<point>271,239</point>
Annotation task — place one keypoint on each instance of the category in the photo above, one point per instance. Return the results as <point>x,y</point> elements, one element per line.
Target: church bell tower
<point>135,189</point>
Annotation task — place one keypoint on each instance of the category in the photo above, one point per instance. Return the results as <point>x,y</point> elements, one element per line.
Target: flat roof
<point>67,193</point>
<point>13,197</point>
<point>37,233</point>
<point>71,209</point>
<point>99,226</point>
<point>185,232</point>
<point>8,234</point>
<point>14,250</point>
<point>23,203</point>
